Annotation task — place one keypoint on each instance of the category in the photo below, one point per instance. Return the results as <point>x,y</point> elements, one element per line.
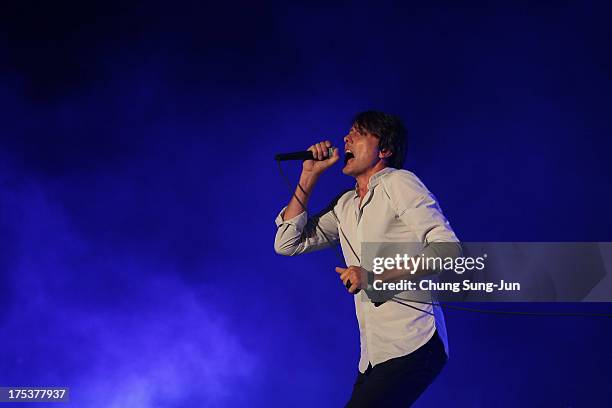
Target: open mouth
<point>348,156</point>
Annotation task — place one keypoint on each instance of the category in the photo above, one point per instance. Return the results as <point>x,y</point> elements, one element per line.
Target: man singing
<point>403,348</point>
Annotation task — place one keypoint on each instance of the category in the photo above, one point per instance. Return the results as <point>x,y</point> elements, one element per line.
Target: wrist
<point>309,178</point>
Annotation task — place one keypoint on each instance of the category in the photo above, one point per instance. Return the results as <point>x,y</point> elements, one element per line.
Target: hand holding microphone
<point>318,158</point>
<point>322,160</point>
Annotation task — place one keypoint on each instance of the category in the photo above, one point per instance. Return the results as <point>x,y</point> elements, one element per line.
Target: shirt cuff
<point>299,221</point>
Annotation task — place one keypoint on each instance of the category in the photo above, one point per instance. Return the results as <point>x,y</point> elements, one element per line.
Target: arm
<point>296,232</point>
<point>418,209</point>
<point>301,196</point>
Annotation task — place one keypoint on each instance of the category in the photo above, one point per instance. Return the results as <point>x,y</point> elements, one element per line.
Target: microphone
<point>305,155</point>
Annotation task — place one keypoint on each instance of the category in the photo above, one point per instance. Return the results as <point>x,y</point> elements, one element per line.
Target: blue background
<point>138,191</point>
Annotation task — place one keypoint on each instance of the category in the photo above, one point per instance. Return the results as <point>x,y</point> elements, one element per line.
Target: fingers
<point>352,274</point>
<point>335,156</point>
<point>354,277</point>
<point>320,151</point>
<point>323,150</point>
<point>344,274</point>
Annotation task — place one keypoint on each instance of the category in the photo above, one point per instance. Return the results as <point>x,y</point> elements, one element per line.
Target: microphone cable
<point>402,300</point>
<point>329,241</point>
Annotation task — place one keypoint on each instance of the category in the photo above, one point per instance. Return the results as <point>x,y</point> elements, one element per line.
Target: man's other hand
<point>355,274</point>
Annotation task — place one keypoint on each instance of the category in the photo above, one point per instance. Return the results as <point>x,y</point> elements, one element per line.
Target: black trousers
<point>400,381</point>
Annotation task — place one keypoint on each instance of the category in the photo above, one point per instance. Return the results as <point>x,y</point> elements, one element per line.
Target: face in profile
<point>361,152</point>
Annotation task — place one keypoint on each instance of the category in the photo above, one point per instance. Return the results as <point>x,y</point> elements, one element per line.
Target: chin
<point>347,170</point>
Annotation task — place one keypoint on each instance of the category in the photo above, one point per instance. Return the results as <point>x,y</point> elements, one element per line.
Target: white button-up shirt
<point>397,208</point>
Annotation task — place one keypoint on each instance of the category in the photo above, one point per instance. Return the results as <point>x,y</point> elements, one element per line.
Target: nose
<point>346,138</point>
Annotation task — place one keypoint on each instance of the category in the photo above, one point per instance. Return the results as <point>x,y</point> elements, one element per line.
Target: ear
<point>384,153</point>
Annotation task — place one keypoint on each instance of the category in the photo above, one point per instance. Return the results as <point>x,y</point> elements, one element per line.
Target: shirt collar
<point>375,178</point>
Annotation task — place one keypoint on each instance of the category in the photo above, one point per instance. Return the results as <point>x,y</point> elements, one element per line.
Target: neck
<point>364,178</point>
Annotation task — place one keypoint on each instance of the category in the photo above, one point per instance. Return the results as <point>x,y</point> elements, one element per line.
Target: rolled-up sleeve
<point>302,234</point>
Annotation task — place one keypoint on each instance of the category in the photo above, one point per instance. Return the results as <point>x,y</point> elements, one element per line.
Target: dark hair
<point>389,130</point>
